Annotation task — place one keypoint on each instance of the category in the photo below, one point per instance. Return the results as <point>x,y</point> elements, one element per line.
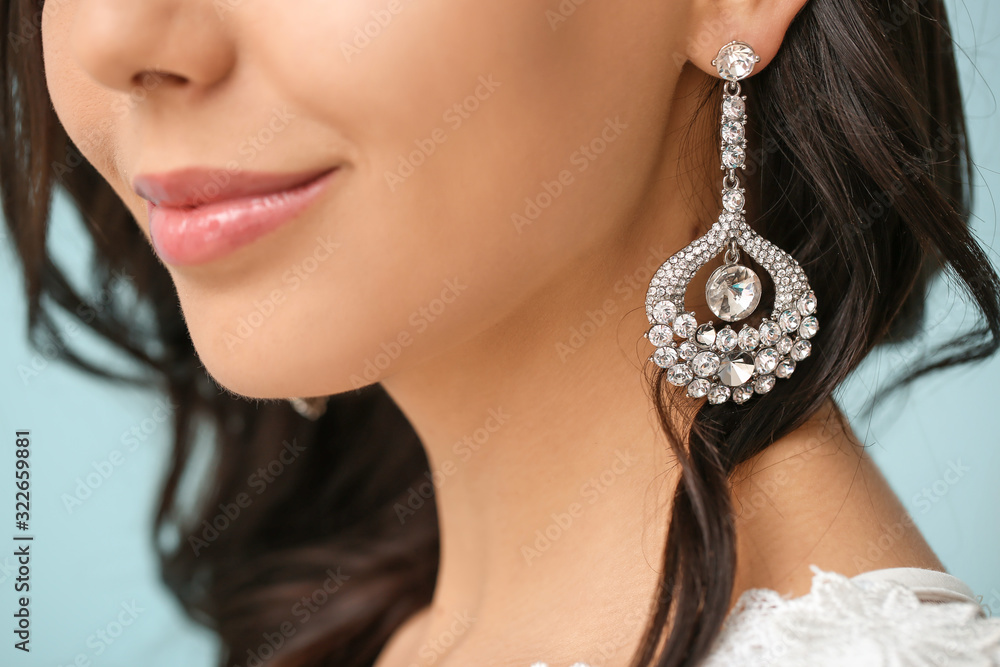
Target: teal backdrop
<point>96,595</point>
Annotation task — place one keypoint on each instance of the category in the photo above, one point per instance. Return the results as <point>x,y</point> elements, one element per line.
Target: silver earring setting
<point>723,364</point>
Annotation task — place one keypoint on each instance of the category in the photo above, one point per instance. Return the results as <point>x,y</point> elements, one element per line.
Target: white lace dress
<point>893,617</point>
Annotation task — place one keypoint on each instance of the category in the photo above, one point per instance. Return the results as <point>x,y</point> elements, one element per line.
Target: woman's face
<point>484,147</point>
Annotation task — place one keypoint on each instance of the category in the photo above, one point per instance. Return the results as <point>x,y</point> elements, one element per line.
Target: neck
<point>547,461</point>
<point>550,470</point>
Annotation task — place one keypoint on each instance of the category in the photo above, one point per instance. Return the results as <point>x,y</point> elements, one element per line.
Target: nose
<point>119,42</point>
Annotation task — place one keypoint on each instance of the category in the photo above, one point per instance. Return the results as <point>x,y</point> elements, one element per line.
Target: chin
<point>282,364</point>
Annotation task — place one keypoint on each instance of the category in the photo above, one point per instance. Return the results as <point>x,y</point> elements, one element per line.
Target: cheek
<point>485,162</point>
<point>94,118</point>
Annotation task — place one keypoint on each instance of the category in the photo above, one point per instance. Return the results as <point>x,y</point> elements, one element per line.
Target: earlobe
<point>760,23</point>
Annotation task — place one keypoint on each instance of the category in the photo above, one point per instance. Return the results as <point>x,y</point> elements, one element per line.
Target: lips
<point>198,215</point>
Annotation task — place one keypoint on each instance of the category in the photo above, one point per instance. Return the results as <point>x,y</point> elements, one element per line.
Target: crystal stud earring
<point>723,363</point>
<point>310,408</point>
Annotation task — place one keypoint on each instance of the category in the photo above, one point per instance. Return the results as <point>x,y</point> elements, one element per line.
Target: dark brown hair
<point>860,169</point>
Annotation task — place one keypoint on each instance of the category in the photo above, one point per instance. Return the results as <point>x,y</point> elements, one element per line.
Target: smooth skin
<point>475,321</point>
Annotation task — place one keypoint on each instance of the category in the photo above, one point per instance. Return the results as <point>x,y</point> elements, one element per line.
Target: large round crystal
<point>733,292</point>
<point>735,60</point>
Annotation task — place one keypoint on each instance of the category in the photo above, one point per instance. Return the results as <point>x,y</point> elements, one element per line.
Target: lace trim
<point>854,622</point>
<point>858,622</point>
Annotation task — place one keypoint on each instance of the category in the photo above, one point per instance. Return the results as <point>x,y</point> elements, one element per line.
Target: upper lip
<point>197,186</point>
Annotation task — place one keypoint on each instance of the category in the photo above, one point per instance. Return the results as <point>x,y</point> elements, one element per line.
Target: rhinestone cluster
<point>731,362</point>
<point>727,362</point>
<point>734,143</point>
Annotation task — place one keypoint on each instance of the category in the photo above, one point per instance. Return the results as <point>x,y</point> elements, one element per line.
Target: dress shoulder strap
<point>929,585</point>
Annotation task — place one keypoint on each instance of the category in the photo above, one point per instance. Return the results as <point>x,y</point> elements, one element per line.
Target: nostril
<point>150,79</point>
<point>132,46</point>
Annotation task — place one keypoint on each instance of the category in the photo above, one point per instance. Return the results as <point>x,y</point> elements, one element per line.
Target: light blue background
<point>89,562</point>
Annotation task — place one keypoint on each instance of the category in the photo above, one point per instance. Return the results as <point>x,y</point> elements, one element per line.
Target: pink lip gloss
<point>186,235</point>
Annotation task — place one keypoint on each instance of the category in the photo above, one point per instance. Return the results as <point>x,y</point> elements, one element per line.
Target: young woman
<point>578,279</point>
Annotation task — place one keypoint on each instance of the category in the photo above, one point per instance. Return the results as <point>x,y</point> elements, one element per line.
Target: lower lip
<point>185,236</point>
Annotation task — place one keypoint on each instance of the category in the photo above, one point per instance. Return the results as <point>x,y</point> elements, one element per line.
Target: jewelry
<point>310,408</point>
<point>725,364</point>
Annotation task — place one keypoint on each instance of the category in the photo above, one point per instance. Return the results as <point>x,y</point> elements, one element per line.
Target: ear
<point>760,23</point>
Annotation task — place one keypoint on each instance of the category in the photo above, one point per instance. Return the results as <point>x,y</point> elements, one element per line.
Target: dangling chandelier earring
<point>724,364</point>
